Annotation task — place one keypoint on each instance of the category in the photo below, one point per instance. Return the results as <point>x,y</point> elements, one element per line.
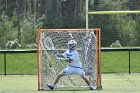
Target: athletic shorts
<point>72,70</point>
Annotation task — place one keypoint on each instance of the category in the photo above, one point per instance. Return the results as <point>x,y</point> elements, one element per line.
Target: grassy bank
<point>111,62</point>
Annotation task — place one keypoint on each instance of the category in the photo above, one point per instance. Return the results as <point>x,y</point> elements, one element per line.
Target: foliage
<point>13,44</point>
<point>116,27</point>
<point>7,30</point>
<point>64,14</point>
<point>55,14</point>
<point>116,44</point>
<point>31,46</point>
<point>29,26</point>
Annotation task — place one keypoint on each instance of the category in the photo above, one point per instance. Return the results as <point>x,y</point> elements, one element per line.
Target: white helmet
<point>72,42</point>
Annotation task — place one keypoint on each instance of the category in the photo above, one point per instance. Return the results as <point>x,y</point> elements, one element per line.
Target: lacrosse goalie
<point>74,67</point>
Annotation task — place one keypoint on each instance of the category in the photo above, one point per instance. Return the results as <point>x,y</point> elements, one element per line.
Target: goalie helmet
<point>72,42</point>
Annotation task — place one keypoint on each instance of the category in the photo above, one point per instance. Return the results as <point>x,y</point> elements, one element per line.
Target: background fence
<point>114,60</point>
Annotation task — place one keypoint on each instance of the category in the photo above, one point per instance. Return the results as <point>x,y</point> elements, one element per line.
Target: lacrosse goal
<point>88,46</point>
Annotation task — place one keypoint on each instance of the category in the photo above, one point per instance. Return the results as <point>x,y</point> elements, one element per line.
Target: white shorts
<point>72,70</point>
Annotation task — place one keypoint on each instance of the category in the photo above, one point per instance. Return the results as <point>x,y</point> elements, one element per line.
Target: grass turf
<point>111,62</point>
<point>19,64</point>
<point>119,62</point>
<point>112,83</point>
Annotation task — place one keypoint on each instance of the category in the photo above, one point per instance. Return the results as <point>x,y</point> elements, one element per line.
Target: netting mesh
<point>49,67</point>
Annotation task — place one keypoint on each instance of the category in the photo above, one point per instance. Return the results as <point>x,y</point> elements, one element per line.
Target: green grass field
<point>119,61</point>
<point>111,62</point>
<point>19,63</point>
<point>111,83</point>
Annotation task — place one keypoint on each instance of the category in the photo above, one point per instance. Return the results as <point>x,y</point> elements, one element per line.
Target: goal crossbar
<point>112,12</point>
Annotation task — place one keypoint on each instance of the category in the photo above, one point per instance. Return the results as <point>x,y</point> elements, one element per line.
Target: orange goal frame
<point>97,32</point>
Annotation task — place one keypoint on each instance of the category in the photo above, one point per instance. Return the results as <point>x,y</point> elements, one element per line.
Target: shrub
<point>13,44</point>
<point>31,46</point>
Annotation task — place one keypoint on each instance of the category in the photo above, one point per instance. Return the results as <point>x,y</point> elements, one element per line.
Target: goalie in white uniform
<point>75,67</point>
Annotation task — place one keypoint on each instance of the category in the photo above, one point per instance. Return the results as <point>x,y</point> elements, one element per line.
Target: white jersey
<point>74,55</point>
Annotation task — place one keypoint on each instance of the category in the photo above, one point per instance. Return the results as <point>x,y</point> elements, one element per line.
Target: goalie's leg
<point>81,73</point>
<point>88,83</point>
<point>52,86</point>
<point>58,77</point>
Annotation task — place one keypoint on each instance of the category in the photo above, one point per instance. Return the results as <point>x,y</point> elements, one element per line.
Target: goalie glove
<point>59,59</point>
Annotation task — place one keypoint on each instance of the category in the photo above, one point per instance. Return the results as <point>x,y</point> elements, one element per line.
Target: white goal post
<point>52,41</point>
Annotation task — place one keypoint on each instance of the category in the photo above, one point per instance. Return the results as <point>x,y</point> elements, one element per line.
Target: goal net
<point>51,42</point>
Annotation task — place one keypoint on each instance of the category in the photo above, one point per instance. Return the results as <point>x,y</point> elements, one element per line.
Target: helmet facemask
<point>72,44</point>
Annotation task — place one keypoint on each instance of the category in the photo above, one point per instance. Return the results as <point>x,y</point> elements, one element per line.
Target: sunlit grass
<point>111,62</point>
<point>111,83</point>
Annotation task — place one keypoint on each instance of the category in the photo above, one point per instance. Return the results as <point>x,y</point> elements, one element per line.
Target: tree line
<point>59,14</point>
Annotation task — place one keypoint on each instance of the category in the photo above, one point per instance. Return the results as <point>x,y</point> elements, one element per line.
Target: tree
<point>64,14</point>
<point>115,27</point>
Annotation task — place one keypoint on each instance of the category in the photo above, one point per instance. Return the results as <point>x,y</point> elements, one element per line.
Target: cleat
<point>50,86</point>
<point>92,87</point>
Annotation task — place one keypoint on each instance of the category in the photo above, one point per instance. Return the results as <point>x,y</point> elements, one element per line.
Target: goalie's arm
<point>67,60</point>
<point>60,56</point>
<point>63,58</point>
